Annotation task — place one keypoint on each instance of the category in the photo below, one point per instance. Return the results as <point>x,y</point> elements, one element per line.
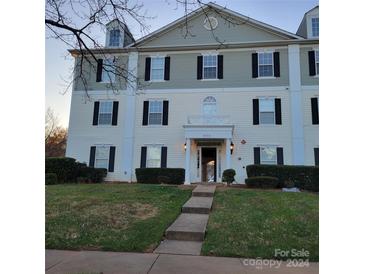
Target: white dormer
<point>117,35</point>
<point>309,27</point>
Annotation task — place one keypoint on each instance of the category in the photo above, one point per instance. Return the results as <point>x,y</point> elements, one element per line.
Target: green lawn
<point>110,216</point>
<point>253,223</point>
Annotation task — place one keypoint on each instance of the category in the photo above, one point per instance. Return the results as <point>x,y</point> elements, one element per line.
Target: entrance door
<point>209,164</point>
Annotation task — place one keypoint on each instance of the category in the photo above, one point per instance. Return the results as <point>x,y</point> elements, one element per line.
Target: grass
<point>253,223</point>
<point>109,216</point>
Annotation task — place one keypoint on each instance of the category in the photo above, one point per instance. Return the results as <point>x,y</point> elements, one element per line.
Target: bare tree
<point>74,23</point>
<point>55,136</point>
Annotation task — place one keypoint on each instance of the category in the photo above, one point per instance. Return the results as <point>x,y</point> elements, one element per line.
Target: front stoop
<point>186,235</point>
<point>204,191</point>
<point>198,205</point>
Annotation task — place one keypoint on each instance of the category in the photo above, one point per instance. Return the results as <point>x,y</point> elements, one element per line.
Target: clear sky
<point>285,14</point>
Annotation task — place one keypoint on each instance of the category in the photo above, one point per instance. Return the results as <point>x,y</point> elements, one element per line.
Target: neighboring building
<point>199,104</point>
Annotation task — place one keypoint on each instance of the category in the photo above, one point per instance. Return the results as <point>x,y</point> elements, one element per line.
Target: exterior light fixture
<point>232,147</point>
<point>185,146</point>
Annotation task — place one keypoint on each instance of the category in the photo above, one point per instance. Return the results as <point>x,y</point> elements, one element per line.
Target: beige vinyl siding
<point>90,76</point>
<point>306,79</point>
<point>198,35</point>
<point>238,105</point>
<point>237,72</point>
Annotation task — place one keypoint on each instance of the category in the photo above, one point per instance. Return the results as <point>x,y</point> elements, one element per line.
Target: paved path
<point>97,262</point>
<point>186,235</point>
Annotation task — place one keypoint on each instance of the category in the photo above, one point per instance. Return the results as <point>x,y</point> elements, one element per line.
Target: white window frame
<point>107,156</point>
<point>100,112</point>
<point>110,36</point>
<point>260,111</point>
<point>148,159</point>
<point>316,61</point>
<point>258,64</point>
<point>312,18</point>
<point>149,111</point>
<point>152,68</point>
<point>266,162</point>
<point>104,74</point>
<point>216,66</point>
<point>209,101</point>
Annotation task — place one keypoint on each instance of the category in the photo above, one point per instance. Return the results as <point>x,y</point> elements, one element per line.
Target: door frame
<point>216,162</point>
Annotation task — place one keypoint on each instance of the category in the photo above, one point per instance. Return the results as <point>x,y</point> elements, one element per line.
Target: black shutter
<point>276,64</point>
<point>165,114</point>
<point>145,113</point>
<point>147,73</point>
<point>278,111</point>
<point>163,156</point>
<point>254,65</point>
<point>99,70</point>
<point>143,157</point>
<point>316,156</point>
<point>92,156</point>
<point>220,66</point>
<point>256,114</point>
<point>111,159</point>
<point>115,113</point>
<point>312,63</point>
<point>280,155</point>
<point>256,155</point>
<point>96,113</point>
<point>315,114</point>
<point>167,68</point>
<point>200,68</point>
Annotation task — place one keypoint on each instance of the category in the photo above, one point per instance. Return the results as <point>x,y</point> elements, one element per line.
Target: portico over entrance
<point>208,142</point>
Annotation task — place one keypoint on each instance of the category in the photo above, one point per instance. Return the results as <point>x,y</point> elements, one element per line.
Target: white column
<point>129,118</point>
<point>296,105</point>
<point>187,162</point>
<point>228,153</point>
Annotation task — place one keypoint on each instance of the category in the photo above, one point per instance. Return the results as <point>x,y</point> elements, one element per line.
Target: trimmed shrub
<point>65,168</point>
<point>51,178</point>
<point>228,175</point>
<point>302,177</point>
<point>70,171</point>
<point>173,176</point>
<point>262,182</point>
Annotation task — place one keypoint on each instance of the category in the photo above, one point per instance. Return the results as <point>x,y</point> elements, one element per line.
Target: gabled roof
<point>236,15</point>
<point>302,23</point>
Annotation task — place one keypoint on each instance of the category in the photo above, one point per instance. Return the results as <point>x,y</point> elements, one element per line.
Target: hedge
<point>303,177</point>
<point>262,182</point>
<point>173,176</point>
<point>68,170</point>
<point>228,175</point>
<point>51,178</point>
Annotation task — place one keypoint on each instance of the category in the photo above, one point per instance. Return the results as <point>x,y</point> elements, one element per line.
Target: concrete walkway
<point>96,262</point>
<point>186,235</point>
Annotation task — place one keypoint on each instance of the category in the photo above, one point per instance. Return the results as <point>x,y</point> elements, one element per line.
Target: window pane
<point>267,118</point>
<point>268,155</point>
<point>105,119</point>
<point>101,163</point>
<point>155,106</point>
<point>106,107</point>
<point>153,156</point>
<point>210,73</point>
<point>265,70</point>
<point>108,72</point>
<point>105,113</point>
<point>315,26</point>
<point>210,60</point>
<point>267,105</point>
<point>157,62</point>
<point>114,38</point>
<point>265,58</point>
<point>157,74</point>
<point>155,119</point>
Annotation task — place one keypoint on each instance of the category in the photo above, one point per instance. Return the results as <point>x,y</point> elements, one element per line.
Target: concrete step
<point>188,227</point>
<point>204,191</point>
<point>198,205</point>
<point>179,247</point>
